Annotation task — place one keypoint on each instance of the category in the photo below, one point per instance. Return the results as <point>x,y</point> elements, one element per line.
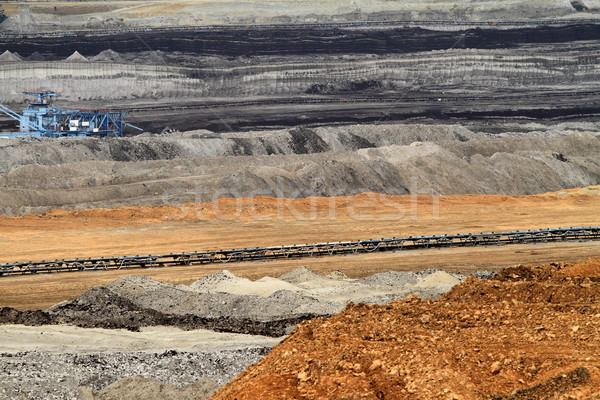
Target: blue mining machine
<point>42,119</point>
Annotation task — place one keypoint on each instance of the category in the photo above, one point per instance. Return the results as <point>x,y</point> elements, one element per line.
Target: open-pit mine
<point>299,200</point>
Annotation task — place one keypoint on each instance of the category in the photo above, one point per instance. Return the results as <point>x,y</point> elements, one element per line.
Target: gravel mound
<point>132,302</point>
<point>107,56</point>
<point>208,283</point>
<point>132,285</point>
<point>439,278</point>
<point>225,302</point>
<point>206,300</point>
<point>391,278</point>
<point>103,308</point>
<point>7,56</point>
<point>296,294</point>
<point>338,275</point>
<point>42,376</point>
<point>9,315</point>
<point>226,282</point>
<point>76,57</point>
<point>36,56</point>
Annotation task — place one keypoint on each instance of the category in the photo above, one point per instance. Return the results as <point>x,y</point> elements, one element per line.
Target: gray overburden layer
<point>37,175</point>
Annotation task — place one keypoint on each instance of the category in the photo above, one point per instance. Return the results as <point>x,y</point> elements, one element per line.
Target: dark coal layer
<point>115,312</point>
<point>257,41</point>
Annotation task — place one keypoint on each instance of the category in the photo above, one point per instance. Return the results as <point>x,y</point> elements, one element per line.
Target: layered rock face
<point>507,109</point>
<point>444,73</point>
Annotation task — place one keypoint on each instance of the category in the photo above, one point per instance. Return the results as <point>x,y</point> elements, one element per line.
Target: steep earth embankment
<point>37,175</point>
<point>226,79</point>
<point>109,78</point>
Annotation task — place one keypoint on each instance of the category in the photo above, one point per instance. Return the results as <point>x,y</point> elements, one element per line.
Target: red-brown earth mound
<point>529,333</point>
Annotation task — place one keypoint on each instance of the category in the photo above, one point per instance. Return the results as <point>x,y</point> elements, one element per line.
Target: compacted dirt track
<point>235,223</point>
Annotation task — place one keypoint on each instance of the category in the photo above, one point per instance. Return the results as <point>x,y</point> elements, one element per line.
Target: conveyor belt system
<point>303,250</point>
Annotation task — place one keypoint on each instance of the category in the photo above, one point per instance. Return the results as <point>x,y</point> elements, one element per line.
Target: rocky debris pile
<point>152,58</point>
<point>36,56</point>
<point>227,303</point>
<point>528,333</point>
<point>9,315</point>
<point>107,56</point>
<point>41,375</point>
<point>570,286</point>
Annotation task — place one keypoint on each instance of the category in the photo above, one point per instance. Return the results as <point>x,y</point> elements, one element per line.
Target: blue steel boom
<point>42,119</point>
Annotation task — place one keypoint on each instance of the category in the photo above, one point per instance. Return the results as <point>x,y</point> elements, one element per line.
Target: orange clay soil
<point>231,223</point>
<point>529,333</point>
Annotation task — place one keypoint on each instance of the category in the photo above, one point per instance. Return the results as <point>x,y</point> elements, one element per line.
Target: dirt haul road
<point>235,223</point>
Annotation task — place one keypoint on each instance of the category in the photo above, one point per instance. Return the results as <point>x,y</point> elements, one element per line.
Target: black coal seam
<point>299,41</point>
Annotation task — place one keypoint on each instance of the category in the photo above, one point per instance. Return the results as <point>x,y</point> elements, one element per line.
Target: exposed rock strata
<point>445,73</point>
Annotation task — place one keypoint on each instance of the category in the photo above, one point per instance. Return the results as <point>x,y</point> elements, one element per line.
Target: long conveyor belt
<point>303,250</point>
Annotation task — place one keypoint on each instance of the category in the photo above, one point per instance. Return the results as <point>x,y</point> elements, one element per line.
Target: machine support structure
<point>42,119</point>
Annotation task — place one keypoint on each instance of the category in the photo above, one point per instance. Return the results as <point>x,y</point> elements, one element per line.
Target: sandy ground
<point>71,339</point>
<point>264,221</point>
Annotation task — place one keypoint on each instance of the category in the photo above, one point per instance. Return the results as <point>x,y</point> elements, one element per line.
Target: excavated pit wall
<point>36,15</point>
<point>447,73</point>
<point>203,78</point>
<point>480,76</point>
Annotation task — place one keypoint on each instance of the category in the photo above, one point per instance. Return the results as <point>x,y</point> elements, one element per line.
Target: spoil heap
<point>228,303</point>
<point>528,333</point>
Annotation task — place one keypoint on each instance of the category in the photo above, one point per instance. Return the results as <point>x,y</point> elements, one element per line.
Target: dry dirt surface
<point>528,333</point>
<point>238,223</point>
<point>43,15</point>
